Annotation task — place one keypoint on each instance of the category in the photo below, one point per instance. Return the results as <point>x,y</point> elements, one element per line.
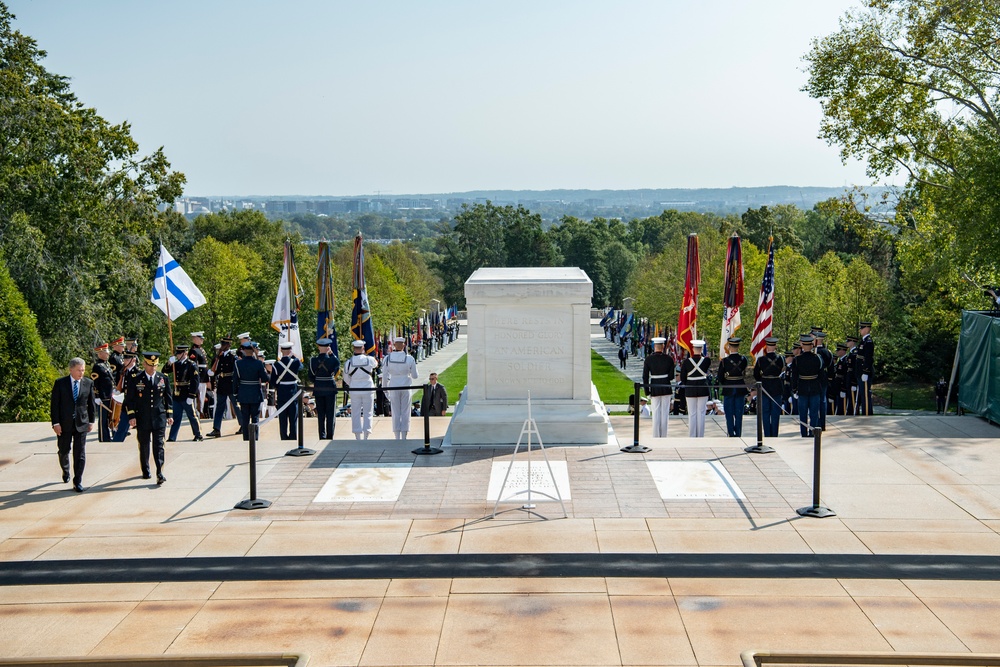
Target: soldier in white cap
<point>398,370</point>
<point>359,373</point>
<point>657,372</point>
<point>694,379</point>
<point>197,355</point>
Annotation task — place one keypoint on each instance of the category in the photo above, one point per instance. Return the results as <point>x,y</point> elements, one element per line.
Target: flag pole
<point>170,326</point>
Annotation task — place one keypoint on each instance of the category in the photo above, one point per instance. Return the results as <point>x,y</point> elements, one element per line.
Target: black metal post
<point>635,447</point>
<point>816,510</point>
<point>760,447</point>
<point>253,503</point>
<point>426,450</point>
<point>301,450</point>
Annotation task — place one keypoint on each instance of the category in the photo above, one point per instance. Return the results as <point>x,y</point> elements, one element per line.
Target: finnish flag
<point>173,291</point>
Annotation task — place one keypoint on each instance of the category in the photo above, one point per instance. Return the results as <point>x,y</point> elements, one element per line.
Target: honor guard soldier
<point>806,369</point>
<point>866,368</point>
<point>132,345</point>
<point>185,375</point>
<point>323,368</point>
<point>839,386</point>
<point>359,373</point>
<point>104,386</point>
<point>732,379</point>
<point>222,370</point>
<point>117,357</point>
<point>198,356</point>
<point>694,379</point>
<point>148,403</point>
<point>819,347</point>
<point>769,370</point>
<point>285,380</point>
<point>657,372</point>
<point>399,370</point>
<point>249,381</point>
<point>852,375</point>
<point>788,405</point>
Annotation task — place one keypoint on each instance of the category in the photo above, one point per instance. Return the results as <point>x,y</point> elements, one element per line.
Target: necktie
<point>76,389</point>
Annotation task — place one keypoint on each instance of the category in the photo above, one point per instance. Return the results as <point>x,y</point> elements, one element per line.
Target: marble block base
<point>559,422</point>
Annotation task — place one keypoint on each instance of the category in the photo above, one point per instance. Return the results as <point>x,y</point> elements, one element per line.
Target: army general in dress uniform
<point>732,379</point>
<point>148,402</point>
<point>323,370</point>
<point>657,373</point>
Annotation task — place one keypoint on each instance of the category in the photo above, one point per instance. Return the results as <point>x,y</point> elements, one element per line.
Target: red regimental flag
<point>687,323</point>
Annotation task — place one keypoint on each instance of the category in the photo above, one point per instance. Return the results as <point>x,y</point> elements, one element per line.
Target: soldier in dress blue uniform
<point>824,353</point>
<point>198,356</point>
<point>222,370</point>
<point>285,380</point>
<point>185,375</point>
<point>838,385</point>
<point>788,404</point>
<point>866,368</point>
<point>657,372</point>
<point>104,385</point>
<point>852,375</point>
<point>148,403</point>
<point>323,368</point>
<point>806,371</point>
<point>732,379</point>
<point>769,370</point>
<point>249,382</point>
<point>694,379</point>
<point>116,359</point>
<point>359,373</point>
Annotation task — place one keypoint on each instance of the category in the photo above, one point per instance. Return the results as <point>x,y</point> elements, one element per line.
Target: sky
<point>317,97</point>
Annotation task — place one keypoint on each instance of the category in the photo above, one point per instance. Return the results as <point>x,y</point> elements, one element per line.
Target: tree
<point>26,373</point>
<point>759,225</point>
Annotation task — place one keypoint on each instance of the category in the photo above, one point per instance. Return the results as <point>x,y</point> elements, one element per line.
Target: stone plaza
<point>369,555</point>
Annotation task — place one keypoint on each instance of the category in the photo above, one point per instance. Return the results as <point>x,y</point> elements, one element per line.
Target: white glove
<point>854,387</point>
<point>190,401</point>
<point>172,359</point>
<point>795,396</point>
<point>210,372</point>
<point>97,402</point>
<point>864,378</point>
<point>843,394</point>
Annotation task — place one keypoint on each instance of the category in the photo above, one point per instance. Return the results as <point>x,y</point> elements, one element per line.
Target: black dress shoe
<point>146,475</point>
<point>78,488</point>
<point>160,479</point>
<point>65,477</point>
<point>198,438</point>
<point>239,430</point>
<point>171,439</point>
<point>214,434</point>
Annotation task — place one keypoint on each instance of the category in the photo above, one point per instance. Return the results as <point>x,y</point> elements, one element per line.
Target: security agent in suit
<point>148,401</point>
<point>694,379</point>
<point>657,372</point>
<point>434,402</point>
<point>359,373</point>
<point>769,370</point>
<point>399,370</point>
<point>104,385</point>
<point>250,380</point>
<point>806,371</point>
<point>866,368</point>
<point>186,377</point>
<point>285,380</point>
<point>732,379</point>
<point>323,369</point>
<point>72,412</point>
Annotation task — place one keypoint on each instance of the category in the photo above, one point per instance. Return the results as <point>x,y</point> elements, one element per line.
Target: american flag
<point>765,305</point>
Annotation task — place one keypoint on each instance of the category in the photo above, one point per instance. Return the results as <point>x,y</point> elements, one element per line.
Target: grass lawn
<point>613,386</point>
<point>906,396</point>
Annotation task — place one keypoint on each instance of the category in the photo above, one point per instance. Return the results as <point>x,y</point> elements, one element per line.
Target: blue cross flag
<point>173,291</point>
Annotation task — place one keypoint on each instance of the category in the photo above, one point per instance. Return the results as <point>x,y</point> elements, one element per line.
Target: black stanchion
<point>427,450</point>
<point>816,510</point>
<point>301,450</point>
<point>635,447</point>
<point>760,447</point>
<point>253,502</point>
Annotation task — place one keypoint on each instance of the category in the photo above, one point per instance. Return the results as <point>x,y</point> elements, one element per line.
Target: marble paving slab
<point>685,480</point>
<point>360,482</point>
<point>541,481</point>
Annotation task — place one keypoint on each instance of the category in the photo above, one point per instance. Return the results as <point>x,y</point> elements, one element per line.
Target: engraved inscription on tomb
<point>528,348</point>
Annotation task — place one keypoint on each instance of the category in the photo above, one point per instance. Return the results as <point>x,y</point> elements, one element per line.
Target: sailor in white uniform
<point>359,373</point>
<point>398,370</point>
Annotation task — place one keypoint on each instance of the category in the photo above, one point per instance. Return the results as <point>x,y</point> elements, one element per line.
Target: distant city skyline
<point>397,98</point>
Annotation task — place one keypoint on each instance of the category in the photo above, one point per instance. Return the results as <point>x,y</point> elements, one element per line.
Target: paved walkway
<point>629,578</point>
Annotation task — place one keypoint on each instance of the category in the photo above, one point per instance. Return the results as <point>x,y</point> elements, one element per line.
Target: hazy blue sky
<point>330,98</point>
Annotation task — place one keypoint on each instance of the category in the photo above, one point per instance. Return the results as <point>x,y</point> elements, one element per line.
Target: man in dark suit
<point>435,401</point>
<point>148,403</point>
<point>72,413</point>
<point>249,384</point>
